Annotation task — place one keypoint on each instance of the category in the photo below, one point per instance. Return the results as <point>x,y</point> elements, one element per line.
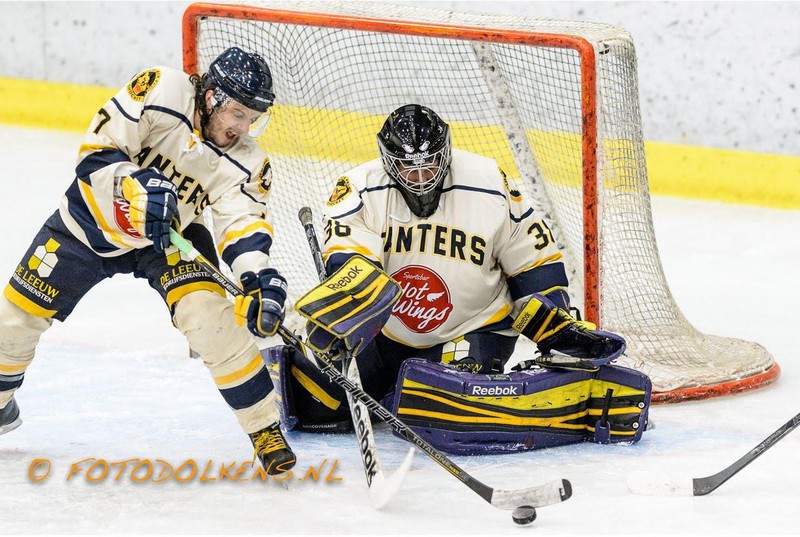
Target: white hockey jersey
<point>462,268</point>
<point>149,123</point>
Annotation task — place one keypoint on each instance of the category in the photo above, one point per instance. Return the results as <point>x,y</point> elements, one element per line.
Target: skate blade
<point>11,426</point>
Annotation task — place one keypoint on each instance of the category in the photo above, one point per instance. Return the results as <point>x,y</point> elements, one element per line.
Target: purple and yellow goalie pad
<point>350,306</point>
<point>474,414</point>
<point>305,403</point>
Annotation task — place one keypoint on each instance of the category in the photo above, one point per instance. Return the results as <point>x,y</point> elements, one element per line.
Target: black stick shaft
<point>313,242</point>
<point>704,485</point>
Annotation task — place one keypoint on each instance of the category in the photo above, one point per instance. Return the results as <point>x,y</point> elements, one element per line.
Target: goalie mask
<point>242,77</point>
<point>415,150</point>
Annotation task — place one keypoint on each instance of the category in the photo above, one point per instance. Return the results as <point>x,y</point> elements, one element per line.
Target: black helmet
<point>243,77</point>
<point>415,149</point>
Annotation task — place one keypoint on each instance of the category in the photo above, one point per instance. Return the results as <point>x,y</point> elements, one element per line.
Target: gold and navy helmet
<point>244,77</point>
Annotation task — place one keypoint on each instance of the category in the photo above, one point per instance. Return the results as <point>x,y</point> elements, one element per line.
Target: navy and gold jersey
<point>149,123</point>
<point>463,268</point>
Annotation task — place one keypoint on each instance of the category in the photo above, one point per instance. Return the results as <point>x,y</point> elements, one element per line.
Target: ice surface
<point>114,382</point>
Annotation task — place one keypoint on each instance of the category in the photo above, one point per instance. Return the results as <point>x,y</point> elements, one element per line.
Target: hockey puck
<point>524,515</point>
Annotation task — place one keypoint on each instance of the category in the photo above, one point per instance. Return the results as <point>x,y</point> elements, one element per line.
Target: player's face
<point>418,174</point>
<point>230,121</point>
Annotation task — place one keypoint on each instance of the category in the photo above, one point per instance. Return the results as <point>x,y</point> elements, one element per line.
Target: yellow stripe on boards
<point>50,105</point>
<point>683,171</point>
<point>731,176</point>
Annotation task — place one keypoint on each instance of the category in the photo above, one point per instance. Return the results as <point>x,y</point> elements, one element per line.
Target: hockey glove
<point>261,307</point>
<point>325,342</point>
<point>153,204</point>
<point>350,306</point>
<point>553,329</point>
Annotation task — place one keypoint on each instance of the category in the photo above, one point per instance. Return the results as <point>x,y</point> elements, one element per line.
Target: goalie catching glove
<point>153,201</point>
<point>553,329</point>
<point>261,307</point>
<point>349,308</point>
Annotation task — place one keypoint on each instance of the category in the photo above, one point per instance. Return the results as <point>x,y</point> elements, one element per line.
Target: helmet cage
<point>418,173</point>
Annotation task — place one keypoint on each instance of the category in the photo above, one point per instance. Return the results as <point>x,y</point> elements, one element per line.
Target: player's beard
<point>218,134</point>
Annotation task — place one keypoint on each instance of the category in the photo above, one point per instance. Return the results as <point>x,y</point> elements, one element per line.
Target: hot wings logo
<point>122,218</point>
<point>142,83</point>
<point>425,303</point>
<point>340,191</point>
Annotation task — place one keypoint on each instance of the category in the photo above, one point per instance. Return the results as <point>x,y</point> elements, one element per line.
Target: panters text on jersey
<point>435,239</point>
<point>190,191</point>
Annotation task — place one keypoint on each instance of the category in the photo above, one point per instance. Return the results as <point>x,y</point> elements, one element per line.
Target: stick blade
<point>557,491</point>
<point>383,489</point>
<point>659,484</point>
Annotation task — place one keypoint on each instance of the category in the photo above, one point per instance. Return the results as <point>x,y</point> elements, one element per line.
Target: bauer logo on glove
<point>153,201</point>
<point>260,309</point>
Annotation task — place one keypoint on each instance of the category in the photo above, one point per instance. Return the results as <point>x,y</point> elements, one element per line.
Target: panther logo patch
<point>264,177</point>
<point>513,193</point>
<point>142,83</point>
<point>340,191</point>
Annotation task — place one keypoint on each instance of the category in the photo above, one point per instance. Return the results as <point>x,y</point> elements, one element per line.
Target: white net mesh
<point>519,104</point>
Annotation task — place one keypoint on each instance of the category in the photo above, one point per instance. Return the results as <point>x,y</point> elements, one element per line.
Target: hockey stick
<point>381,489</point>
<point>647,483</point>
<point>550,493</point>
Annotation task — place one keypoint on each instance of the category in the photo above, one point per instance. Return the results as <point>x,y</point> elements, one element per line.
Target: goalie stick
<point>655,484</point>
<point>549,493</point>
<point>381,488</point>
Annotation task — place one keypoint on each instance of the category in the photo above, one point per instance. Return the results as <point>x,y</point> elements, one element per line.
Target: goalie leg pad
<point>307,400</point>
<point>474,414</point>
<point>619,405</point>
<point>352,304</point>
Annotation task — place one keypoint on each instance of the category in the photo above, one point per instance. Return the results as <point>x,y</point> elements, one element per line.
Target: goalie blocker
<point>349,308</point>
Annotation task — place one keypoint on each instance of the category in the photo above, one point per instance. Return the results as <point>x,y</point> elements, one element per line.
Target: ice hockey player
<point>477,266</point>
<point>165,147</point>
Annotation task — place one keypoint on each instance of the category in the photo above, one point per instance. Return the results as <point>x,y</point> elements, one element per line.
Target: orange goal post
<point>554,102</point>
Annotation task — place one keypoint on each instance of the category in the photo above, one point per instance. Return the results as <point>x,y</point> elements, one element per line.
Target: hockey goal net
<point>554,102</point>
